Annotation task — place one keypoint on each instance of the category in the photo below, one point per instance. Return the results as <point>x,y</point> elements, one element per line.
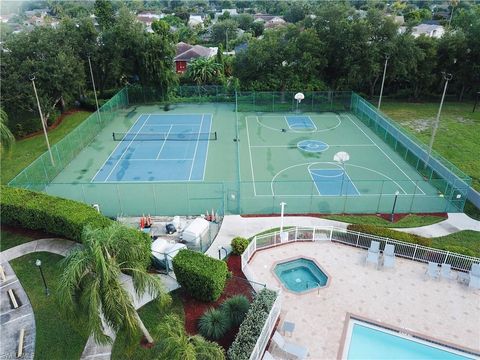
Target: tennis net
<point>164,136</point>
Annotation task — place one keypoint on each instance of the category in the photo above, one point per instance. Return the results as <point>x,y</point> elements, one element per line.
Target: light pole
<point>282,207</point>
<point>383,81</point>
<point>393,208</point>
<point>44,125</point>
<point>447,77</point>
<point>39,264</point>
<point>94,89</point>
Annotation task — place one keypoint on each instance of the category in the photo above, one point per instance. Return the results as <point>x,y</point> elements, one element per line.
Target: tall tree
<point>6,136</point>
<point>91,283</point>
<point>103,10</point>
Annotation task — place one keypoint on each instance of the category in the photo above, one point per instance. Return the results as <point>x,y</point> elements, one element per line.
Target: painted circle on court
<point>313,146</point>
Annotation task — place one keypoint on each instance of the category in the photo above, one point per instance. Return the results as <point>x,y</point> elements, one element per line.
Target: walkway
<point>236,225</point>
<point>25,312</point>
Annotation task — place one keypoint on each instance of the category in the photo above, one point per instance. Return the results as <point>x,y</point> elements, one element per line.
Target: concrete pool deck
<point>447,311</point>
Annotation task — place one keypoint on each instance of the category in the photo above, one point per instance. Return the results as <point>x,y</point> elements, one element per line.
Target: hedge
<point>54,215</point>
<point>391,234</point>
<point>202,276</point>
<point>239,244</point>
<point>252,326</point>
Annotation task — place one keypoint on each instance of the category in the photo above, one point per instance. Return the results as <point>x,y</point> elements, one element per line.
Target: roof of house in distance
<point>186,52</point>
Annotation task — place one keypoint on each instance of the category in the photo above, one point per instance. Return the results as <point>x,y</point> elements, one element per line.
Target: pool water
<point>371,342</point>
<point>300,275</point>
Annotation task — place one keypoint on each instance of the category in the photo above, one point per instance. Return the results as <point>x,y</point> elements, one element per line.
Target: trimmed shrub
<point>389,233</point>
<point>202,276</point>
<point>54,215</point>
<point>252,326</point>
<point>235,308</point>
<point>213,324</point>
<point>239,245</point>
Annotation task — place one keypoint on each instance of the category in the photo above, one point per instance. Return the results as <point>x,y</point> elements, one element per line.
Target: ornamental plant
<point>213,324</point>
<point>239,244</point>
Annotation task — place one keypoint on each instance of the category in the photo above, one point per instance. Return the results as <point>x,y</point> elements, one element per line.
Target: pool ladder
<point>315,283</point>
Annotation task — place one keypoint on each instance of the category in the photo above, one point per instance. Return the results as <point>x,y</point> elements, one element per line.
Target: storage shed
<point>195,230</point>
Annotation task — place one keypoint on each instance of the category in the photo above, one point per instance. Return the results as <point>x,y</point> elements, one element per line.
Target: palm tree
<point>176,344</point>
<point>91,280</point>
<point>6,137</point>
<point>204,70</point>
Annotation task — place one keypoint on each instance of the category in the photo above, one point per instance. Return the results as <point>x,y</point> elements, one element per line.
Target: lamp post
<point>44,126</point>
<point>282,210</point>
<point>383,81</point>
<point>39,264</point>
<point>94,89</point>
<point>447,77</point>
<point>393,208</point>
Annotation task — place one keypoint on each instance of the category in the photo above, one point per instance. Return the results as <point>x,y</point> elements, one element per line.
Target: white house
<point>435,31</point>
<point>195,20</point>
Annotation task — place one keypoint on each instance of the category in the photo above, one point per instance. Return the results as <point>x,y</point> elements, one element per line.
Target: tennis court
<point>245,153</point>
<point>160,148</point>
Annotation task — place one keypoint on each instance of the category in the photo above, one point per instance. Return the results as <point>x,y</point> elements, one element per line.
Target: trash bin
<point>170,229</point>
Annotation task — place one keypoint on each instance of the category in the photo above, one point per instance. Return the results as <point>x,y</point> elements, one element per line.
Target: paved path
<point>25,312</point>
<point>236,225</point>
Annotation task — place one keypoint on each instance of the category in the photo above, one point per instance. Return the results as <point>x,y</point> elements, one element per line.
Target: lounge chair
<point>374,247</point>
<point>432,270</point>
<point>446,272</point>
<point>267,356</point>
<point>293,349</point>
<point>372,258</point>
<point>389,256</point>
<point>474,277</point>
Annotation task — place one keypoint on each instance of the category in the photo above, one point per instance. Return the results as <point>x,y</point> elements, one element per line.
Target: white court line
<point>250,152</point>
<point>206,154</point>
<point>384,153</point>
<point>296,130</point>
<point>119,143</point>
<point>293,131</point>
<point>314,183</point>
<point>130,143</point>
<point>342,173</point>
<point>176,159</point>
<point>164,141</point>
<point>196,147</point>
<point>155,125</point>
<point>291,146</point>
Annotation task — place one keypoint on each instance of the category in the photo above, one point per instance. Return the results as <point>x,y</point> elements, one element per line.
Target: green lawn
<point>151,314</point>
<point>58,336</point>
<point>9,240</point>
<point>25,151</point>
<point>457,136</point>
<point>468,238</point>
<point>406,222</point>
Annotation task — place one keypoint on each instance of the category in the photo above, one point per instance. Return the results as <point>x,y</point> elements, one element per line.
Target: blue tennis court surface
<point>300,122</point>
<point>333,182</point>
<point>160,160</point>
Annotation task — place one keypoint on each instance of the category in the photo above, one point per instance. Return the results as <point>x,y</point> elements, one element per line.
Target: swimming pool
<point>300,275</point>
<point>366,341</point>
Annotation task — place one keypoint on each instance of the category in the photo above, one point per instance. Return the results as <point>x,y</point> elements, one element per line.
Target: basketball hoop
<point>299,97</point>
<point>341,157</point>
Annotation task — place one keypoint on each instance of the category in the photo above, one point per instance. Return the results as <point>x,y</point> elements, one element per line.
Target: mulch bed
<point>57,122</point>
<point>34,234</point>
<point>236,285</point>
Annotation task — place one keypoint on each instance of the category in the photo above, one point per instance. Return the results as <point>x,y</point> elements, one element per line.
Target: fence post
<point>358,238</point>
<point>331,233</point>
<point>296,233</point>
<point>313,233</point>
<point>446,257</point>
<point>415,251</point>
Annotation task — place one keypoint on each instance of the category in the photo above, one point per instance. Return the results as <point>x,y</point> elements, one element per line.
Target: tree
<point>257,28</point>
<point>295,13</point>
<point>6,136</point>
<point>244,21</point>
<point>222,29</point>
<point>176,344</point>
<point>91,281</point>
<point>103,10</point>
<point>204,71</point>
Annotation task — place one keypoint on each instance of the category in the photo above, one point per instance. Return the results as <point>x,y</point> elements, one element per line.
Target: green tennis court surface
<point>168,163</point>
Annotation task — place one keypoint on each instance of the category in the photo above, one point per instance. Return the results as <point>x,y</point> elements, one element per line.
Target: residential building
<point>186,53</point>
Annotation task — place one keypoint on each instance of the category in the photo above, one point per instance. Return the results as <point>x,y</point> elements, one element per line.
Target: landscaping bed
<point>236,285</point>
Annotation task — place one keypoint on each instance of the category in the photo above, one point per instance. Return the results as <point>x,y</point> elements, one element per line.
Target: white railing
<point>267,329</point>
<point>353,238</point>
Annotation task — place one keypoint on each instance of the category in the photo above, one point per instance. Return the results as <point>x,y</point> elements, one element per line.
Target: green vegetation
<point>10,239</point>
<point>213,324</point>
<point>58,336</point>
<point>465,242</point>
<point>252,326</point>
<point>128,347</point>
<point>23,152</point>
<point>239,245</point>
<point>457,136</point>
<point>91,279</point>
<point>32,210</point>
<point>472,211</point>
<point>202,276</point>
<point>410,220</point>
<point>391,234</point>
<point>236,308</point>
